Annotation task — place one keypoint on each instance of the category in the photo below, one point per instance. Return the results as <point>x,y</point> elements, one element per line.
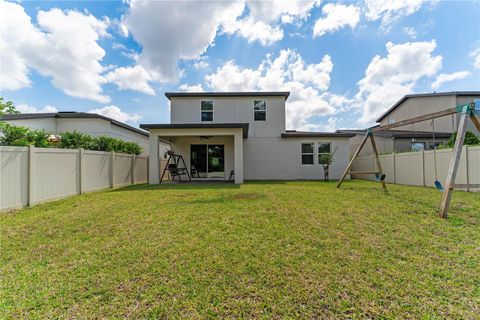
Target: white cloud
<point>201,64</point>
<point>171,31</point>
<point>131,78</point>
<point>475,54</point>
<point>195,26</point>
<point>265,19</point>
<point>390,11</point>
<point>253,31</point>
<point>410,31</point>
<point>116,113</point>
<point>336,16</point>
<point>25,108</point>
<point>63,46</point>
<point>388,79</point>
<point>307,83</point>
<point>447,77</point>
<point>194,88</point>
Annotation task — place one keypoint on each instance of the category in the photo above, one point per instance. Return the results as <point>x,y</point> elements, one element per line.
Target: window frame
<point>207,111</point>
<point>317,145</point>
<point>307,153</point>
<point>259,111</point>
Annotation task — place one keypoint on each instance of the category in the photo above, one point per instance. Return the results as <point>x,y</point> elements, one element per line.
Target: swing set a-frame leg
<point>355,156</point>
<point>452,169</point>
<point>379,165</point>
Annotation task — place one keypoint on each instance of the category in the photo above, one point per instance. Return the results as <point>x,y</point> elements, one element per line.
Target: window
<point>324,148</point>
<point>260,110</point>
<point>207,110</point>
<point>307,153</point>
<point>418,146</point>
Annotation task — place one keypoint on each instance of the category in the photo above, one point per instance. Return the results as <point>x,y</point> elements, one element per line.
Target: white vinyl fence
<point>30,175</point>
<point>417,168</point>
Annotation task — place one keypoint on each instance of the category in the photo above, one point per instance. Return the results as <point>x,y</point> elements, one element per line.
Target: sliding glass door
<point>207,161</point>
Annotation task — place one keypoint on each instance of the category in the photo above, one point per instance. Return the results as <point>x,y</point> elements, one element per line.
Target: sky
<point>344,63</point>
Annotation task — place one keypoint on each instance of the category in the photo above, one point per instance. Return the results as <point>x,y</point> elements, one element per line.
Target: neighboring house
<point>418,136</point>
<point>396,141</point>
<point>90,123</point>
<point>218,133</point>
<point>414,105</point>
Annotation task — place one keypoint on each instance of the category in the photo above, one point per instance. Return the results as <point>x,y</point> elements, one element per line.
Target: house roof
<point>229,94</point>
<point>243,126</point>
<point>400,133</point>
<point>433,94</point>
<point>308,134</point>
<point>71,114</point>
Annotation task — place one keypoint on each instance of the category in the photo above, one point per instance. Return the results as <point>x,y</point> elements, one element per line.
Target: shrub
<point>11,135</point>
<point>470,139</point>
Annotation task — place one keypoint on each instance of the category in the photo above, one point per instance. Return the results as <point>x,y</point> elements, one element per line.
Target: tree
<point>470,139</point>
<point>326,159</point>
<point>7,107</point>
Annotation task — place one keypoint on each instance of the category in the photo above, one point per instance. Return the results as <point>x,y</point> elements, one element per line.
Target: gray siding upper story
<point>232,109</point>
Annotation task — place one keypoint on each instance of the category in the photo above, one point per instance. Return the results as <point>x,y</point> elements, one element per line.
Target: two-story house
<point>219,133</point>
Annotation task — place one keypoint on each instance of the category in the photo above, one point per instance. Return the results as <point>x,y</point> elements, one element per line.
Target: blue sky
<point>344,62</point>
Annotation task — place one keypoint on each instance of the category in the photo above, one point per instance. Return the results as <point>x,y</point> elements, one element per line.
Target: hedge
<point>11,135</point>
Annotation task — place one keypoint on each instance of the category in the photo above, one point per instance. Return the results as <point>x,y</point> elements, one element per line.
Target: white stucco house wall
<point>244,132</point>
<point>89,123</point>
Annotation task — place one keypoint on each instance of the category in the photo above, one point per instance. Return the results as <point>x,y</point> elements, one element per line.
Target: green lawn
<point>261,250</point>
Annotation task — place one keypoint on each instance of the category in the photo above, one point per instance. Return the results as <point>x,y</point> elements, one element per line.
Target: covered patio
<point>211,151</point>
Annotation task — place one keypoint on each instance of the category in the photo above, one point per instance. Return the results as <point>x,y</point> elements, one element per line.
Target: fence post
<point>80,170</point>
<point>133,169</point>
<point>423,168</point>
<point>394,168</point>
<point>112,160</point>
<point>31,175</point>
<point>466,166</point>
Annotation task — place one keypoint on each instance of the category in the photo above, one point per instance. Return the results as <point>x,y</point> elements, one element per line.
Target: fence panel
<point>13,177</point>
<point>388,167</point>
<point>122,173</point>
<point>55,174</point>
<point>96,173</point>
<point>418,168</point>
<point>30,175</point>
<point>409,168</point>
<point>141,169</point>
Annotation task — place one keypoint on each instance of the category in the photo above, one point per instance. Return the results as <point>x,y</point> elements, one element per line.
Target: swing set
<point>466,111</point>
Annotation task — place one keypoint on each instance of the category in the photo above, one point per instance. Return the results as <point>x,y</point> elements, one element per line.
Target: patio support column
<point>153,167</point>
<point>238,144</point>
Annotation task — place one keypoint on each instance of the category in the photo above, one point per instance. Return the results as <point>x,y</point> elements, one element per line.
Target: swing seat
<point>380,177</point>
<point>438,185</point>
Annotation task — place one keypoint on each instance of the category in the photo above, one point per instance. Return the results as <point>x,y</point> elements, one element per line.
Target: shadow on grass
<point>242,196</point>
<point>178,186</point>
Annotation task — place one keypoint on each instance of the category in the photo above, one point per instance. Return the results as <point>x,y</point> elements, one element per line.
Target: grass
<point>261,250</point>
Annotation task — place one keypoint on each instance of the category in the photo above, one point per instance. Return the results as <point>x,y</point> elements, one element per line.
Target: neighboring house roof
<point>308,134</point>
<point>68,115</point>
<point>434,94</point>
<point>400,133</point>
<point>243,126</point>
<point>228,94</point>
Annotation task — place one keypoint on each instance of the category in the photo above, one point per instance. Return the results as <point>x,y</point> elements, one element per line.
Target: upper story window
<point>259,110</point>
<point>207,110</point>
<point>307,153</point>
